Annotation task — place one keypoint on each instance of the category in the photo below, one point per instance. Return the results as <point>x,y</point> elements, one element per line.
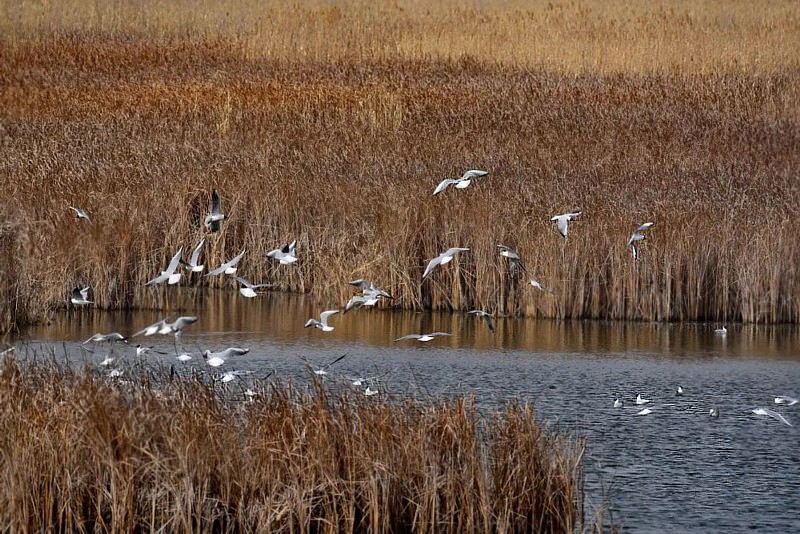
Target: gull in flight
<point>286,254</point>
<point>80,296</point>
<point>423,337</point>
<point>617,403</point>
<point>229,267</point>
<point>641,400</point>
<point>249,290</point>
<point>563,221</point>
<point>442,259</point>
<point>80,214</point>
<point>459,183</point>
<point>215,359</point>
<point>770,413</point>
<point>170,275</point>
<point>515,264</point>
<point>176,326</point>
<point>370,295</point>
<point>150,330</point>
<point>322,324</point>
<point>486,317</point>
<point>213,219</point>
<point>783,399</point>
<point>141,351</point>
<point>721,331</point>
<point>322,371</point>
<point>713,412</point>
<point>193,265</point>
<point>103,338</point>
<point>185,357</point>
<point>637,236</point>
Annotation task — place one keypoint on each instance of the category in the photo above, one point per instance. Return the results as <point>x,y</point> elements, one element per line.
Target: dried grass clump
<point>81,452</point>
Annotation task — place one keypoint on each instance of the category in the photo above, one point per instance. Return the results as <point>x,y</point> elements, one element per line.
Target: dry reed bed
<point>81,452</point>
<point>344,155</point>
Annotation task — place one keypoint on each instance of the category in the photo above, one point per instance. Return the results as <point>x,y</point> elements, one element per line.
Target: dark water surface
<point>675,470</point>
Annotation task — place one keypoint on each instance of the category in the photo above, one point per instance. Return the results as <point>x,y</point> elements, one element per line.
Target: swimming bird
<point>80,214</point>
<point>370,295</point>
<point>515,264</point>
<point>370,392</point>
<point>770,413</point>
<point>721,331</point>
<point>229,267</point>
<point>459,183</point>
<point>80,296</point>
<point>563,221</point>
<point>423,337</point>
<point>184,357</point>
<point>193,264</point>
<point>617,403</point>
<point>679,391</point>
<point>170,275</point>
<point>176,327</point>
<point>322,324</point>
<point>215,218</point>
<point>486,316</point>
<point>286,255</point>
<point>644,411</point>
<point>106,338</point>
<point>783,399</point>
<point>215,359</point>
<point>249,290</point>
<point>713,412</point>
<point>641,400</point>
<point>442,259</point>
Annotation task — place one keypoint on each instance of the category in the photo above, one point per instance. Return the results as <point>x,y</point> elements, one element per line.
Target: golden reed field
<point>331,123</point>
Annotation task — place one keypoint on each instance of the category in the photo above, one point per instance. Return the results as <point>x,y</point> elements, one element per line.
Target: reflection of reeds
<point>342,152</point>
<point>83,452</point>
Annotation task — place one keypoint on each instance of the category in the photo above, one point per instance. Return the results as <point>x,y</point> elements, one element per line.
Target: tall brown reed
<point>81,452</point>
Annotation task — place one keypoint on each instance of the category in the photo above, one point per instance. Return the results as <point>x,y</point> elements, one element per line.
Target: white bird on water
<point>286,255</point>
<point>721,331</point>
<point>713,412</point>
<point>679,391</point>
<point>229,267</point>
<point>644,411</point>
<point>537,285</point>
<point>215,218</point>
<point>248,289</point>
<point>322,324</point>
<point>170,275</point>
<point>784,399</point>
<point>617,403</point>
<point>442,259</point>
<point>770,413</point>
<point>563,221</point>
<point>151,329</point>
<point>641,400</point>
<point>459,183</point>
<point>80,296</point>
<point>80,214</point>
<point>423,337</point>
<point>141,350</point>
<point>193,265</point>
<point>370,392</point>
<point>215,359</point>
<point>184,357</point>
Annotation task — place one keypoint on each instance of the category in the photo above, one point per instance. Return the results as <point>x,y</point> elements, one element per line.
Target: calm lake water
<point>674,470</point>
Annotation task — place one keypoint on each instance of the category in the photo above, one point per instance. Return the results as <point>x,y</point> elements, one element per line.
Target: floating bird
<point>679,391</point>
<point>641,400</point>
<point>177,325</point>
<point>215,218</point>
<point>229,267</point>
<point>370,392</point>
<point>141,350</point>
<point>249,290</point>
<point>215,359</point>
<point>80,214</point>
<point>193,265</point>
<point>713,412</point>
<point>721,331</point>
<point>170,275</point>
<point>637,236</point>
<point>106,338</point>
<point>286,254</point>
<point>563,221</point>
<point>459,183</point>
<point>617,403</point>
<point>783,399</point>
<point>322,324</point>
<point>486,317</point>
<point>770,413</point>
<point>185,357</point>
<point>644,411</point>
<point>442,259</point>
<point>423,337</point>
<point>515,264</point>
<point>80,296</point>
<point>370,295</point>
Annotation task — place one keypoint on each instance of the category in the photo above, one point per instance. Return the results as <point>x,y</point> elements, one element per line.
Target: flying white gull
<point>229,267</point>
<point>80,214</point>
<point>515,264</point>
<point>286,254</point>
<point>442,259</point>
<point>170,275</point>
<point>177,325</point>
<point>151,329</point>
<point>459,183</point>
<point>370,392</point>
<point>80,296</point>
<point>423,337</point>
<point>193,265</point>
<point>637,236</point>
<point>641,400</point>
<point>322,324</point>
<point>215,359</point>
<point>486,317</point>
<point>213,219</point>
<point>102,338</point>
<point>249,290</point>
<point>784,399</point>
<point>563,221</point>
<point>770,413</point>
<point>538,285</point>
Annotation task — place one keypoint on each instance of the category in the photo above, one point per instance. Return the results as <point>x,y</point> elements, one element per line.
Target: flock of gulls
<point>368,293</point>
